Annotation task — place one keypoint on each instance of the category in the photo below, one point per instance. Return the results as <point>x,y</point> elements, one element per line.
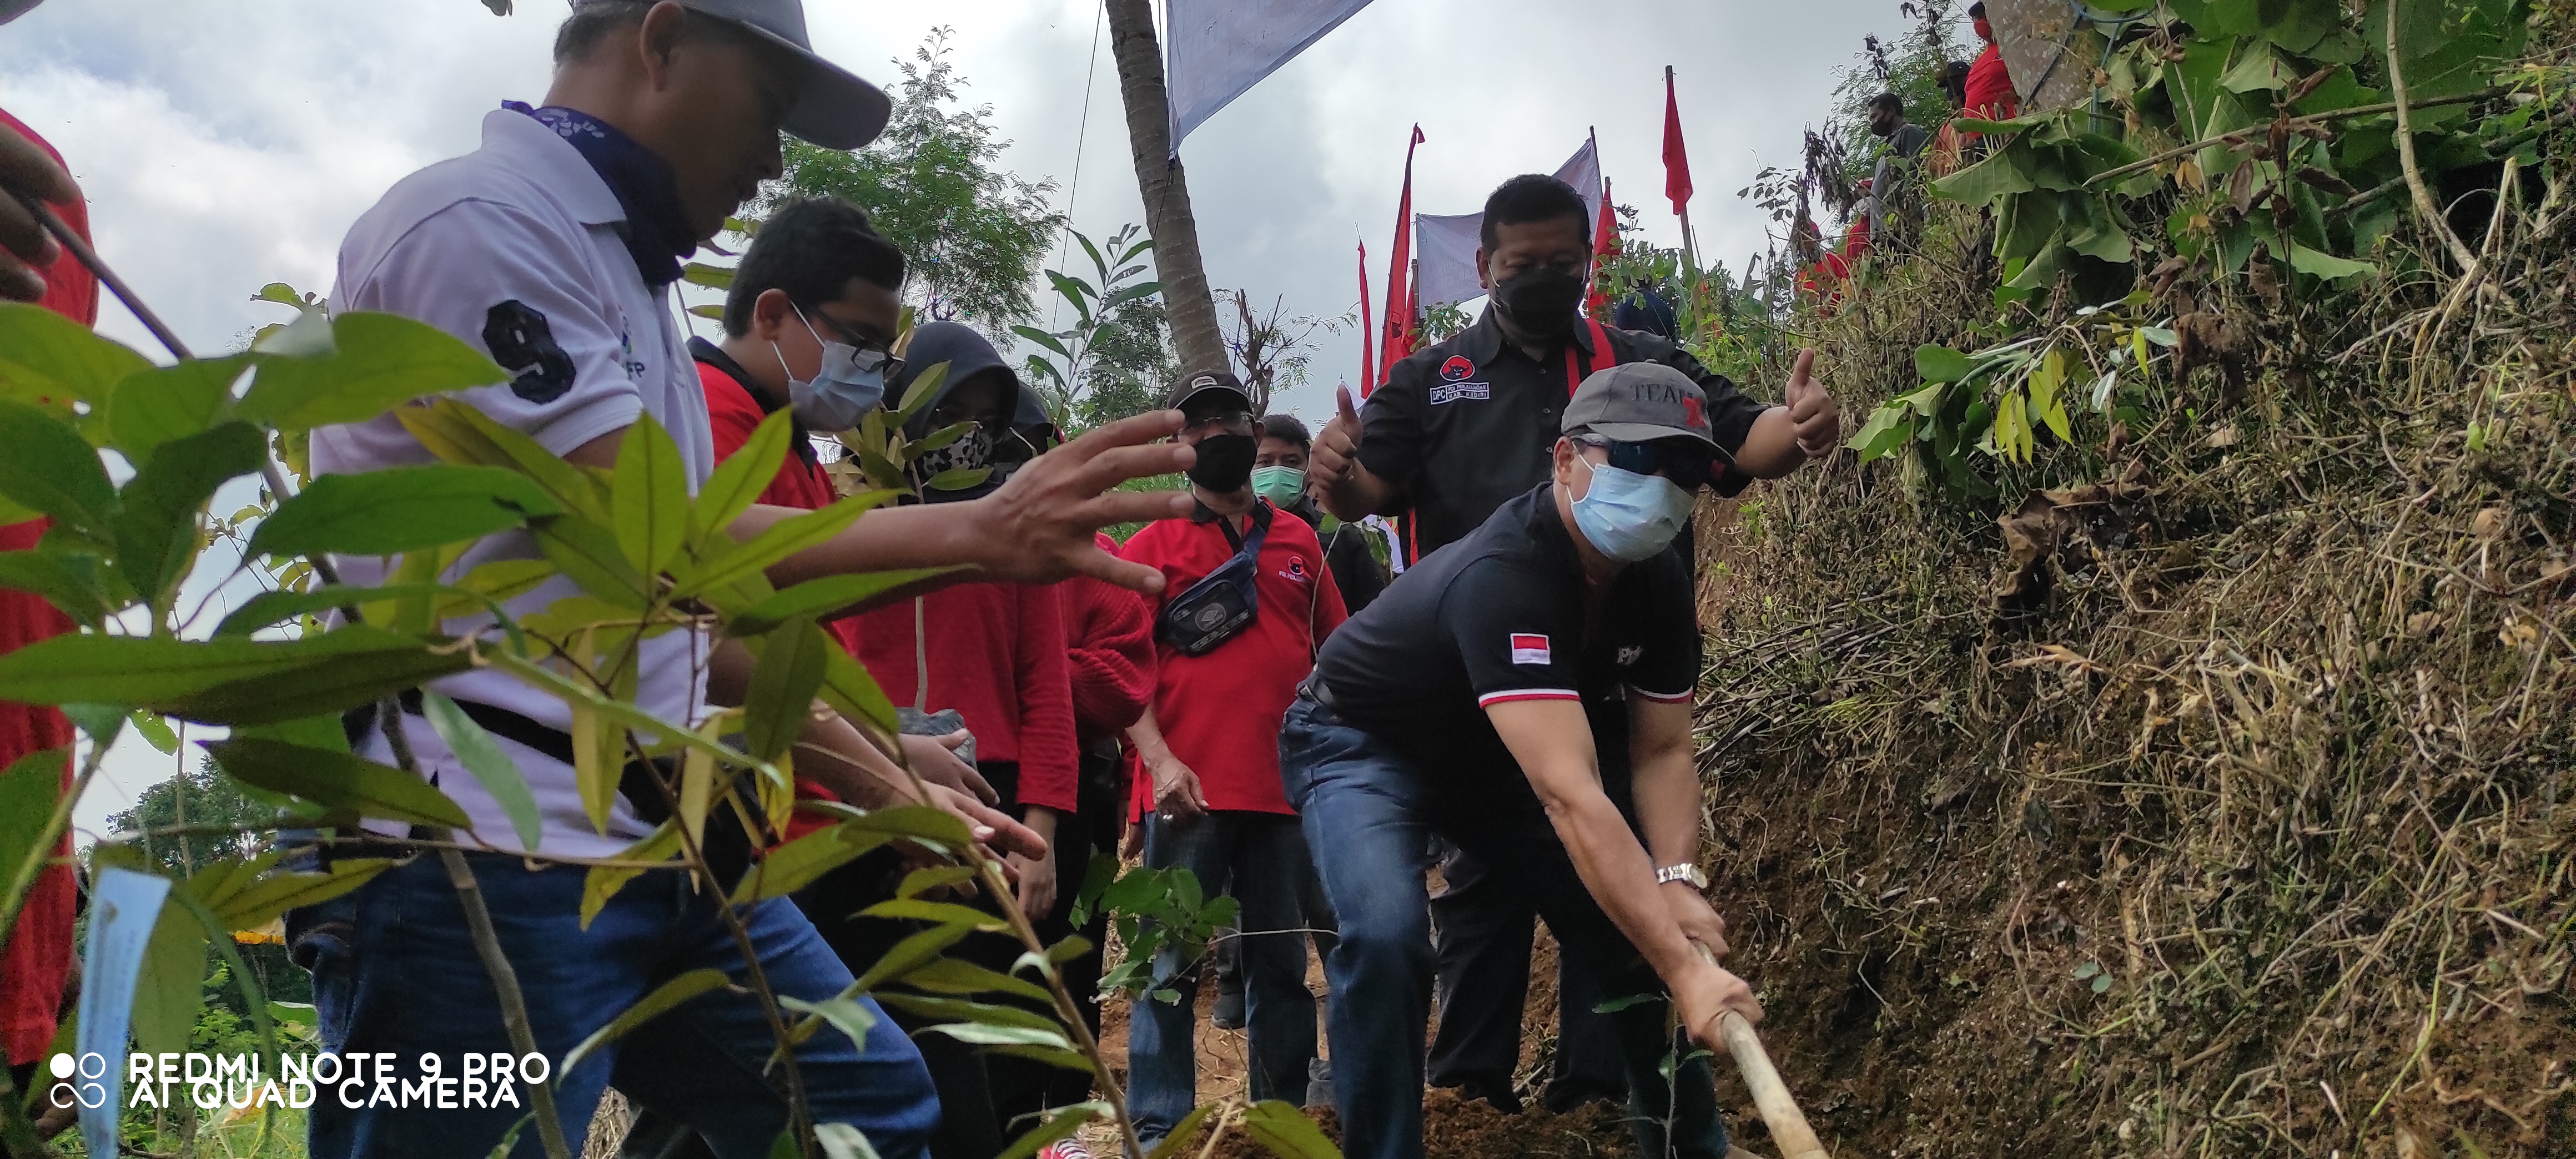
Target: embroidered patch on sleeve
<point>1529,648</point>
<point>524,344</point>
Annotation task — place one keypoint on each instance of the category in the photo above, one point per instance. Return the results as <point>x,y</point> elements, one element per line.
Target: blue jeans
<point>1265,856</point>
<point>408,981</point>
<point>1367,811</point>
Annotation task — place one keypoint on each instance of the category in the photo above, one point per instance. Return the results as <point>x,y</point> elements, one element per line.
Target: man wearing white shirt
<point>553,248</point>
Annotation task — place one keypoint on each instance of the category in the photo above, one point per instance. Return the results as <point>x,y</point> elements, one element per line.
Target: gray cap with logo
<point>838,111</point>
<point>1639,402</point>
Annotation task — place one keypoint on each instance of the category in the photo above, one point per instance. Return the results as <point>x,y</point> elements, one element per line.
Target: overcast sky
<point>224,146</point>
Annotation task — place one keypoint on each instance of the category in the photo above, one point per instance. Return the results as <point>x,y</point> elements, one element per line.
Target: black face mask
<point>1540,302</point>
<point>1225,463</point>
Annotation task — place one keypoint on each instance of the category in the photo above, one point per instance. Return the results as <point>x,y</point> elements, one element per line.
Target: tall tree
<point>974,232</point>
<point>1165,186</point>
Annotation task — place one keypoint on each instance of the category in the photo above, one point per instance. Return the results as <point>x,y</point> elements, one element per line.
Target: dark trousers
<point>1367,810</point>
<point>1480,934</point>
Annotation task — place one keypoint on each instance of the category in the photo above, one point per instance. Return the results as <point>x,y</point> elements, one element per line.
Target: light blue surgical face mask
<point>840,393</point>
<point>1628,516</point>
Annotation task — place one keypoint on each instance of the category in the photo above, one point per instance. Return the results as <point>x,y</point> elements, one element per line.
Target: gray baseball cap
<point>1199,382</point>
<point>839,111</point>
<point>1639,402</point>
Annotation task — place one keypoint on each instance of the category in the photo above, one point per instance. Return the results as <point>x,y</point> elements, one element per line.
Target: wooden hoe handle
<point>1770,1096</point>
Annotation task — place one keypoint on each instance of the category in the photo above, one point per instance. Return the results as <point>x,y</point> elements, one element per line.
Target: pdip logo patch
<point>1453,391</point>
<point>1456,368</point>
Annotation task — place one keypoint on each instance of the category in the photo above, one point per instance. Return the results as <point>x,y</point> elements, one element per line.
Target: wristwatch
<point>1683,872</point>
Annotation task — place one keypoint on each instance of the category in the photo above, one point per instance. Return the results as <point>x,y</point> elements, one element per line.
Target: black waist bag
<point>1224,602</point>
<point>648,786</point>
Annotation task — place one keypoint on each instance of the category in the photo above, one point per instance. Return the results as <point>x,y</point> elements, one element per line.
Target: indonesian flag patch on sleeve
<point>1529,648</point>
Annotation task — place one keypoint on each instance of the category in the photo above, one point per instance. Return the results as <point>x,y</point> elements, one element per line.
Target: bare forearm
<point>886,539</point>
<point>1147,736</point>
<point>1770,449</point>
<point>1665,789</point>
<point>832,753</point>
<point>1616,870</point>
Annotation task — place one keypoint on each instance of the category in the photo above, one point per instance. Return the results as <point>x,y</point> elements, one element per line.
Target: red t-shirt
<point>1111,655</point>
<point>38,959</point>
<point>1220,712</point>
<point>732,415</point>
<point>996,654</point>
<point>1990,88</point>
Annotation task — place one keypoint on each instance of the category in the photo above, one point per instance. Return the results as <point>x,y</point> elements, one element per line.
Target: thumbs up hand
<point>1812,413</point>
<point>1337,446</point>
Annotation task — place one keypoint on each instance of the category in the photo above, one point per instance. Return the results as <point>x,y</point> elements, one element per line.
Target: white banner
<point>1444,245</point>
<point>1215,50</point>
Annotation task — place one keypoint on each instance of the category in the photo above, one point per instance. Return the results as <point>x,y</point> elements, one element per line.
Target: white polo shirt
<point>514,249</point>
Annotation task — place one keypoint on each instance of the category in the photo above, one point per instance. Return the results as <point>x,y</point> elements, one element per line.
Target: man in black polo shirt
<point>1469,702</point>
<point>1458,429</point>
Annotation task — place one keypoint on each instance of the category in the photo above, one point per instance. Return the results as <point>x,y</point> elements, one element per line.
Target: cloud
<point>224,146</point>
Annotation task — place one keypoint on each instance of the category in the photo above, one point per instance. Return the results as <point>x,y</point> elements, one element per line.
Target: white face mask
<point>841,392</point>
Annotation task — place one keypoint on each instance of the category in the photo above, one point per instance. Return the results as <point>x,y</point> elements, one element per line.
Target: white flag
<point>1215,50</point>
<point>1444,245</point>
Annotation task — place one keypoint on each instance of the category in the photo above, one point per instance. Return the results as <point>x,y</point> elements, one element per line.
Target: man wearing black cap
<point>1246,598</point>
<point>1491,697</point>
<point>1460,428</point>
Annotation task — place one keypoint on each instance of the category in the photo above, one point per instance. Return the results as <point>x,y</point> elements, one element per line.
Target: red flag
<point>1399,331</point>
<point>1677,181</point>
<point>1605,246</point>
<point>1368,341</point>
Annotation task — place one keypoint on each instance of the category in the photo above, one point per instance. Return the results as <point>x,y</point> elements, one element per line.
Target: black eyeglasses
<point>866,353</point>
<point>1687,462</point>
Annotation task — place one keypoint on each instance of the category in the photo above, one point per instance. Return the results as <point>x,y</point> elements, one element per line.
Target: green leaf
<point>255,903</point>
<point>1941,364</point>
<point>1286,1132</point>
<point>944,913</point>
<point>843,1141</point>
<point>483,758</point>
<point>738,481</point>
<point>2006,171</point>
<point>1043,339</point>
<point>398,509</point>
<point>664,998</point>
<point>44,355</point>
<point>2259,69</point>
<point>650,496</point>
<point>957,976</point>
<point>459,433</point>
<point>296,1013</point>
<point>797,864</point>
<point>782,539</point>
<point>229,681</point>
<point>957,479</point>
<point>1185,1134</point>
<point>46,467</point>
<point>336,780</point>
<point>910,953</point>
<point>603,881</point>
<point>2325,265</point>
<point>157,535</point>
<point>825,596</point>
<point>920,881</point>
<point>169,989</point>
<point>592,557</point>
<point>986,1034</point>
<point>67,581</point>
<point>155,405</point>
<point>844,1013</point>
<point>780,699</point>
<point>29,789</point>
<point>380,362</point>
<point>156,732</point>
<point>712,277</point>
<point>1888,428</point>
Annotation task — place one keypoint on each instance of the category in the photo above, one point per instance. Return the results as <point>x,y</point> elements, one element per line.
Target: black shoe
<point>1228,1014</point>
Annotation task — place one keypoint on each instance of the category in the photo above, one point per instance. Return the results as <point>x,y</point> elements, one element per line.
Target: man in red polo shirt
<point>1246,600</point>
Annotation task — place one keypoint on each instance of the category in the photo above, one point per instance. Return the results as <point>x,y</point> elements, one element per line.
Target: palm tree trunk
<point>1165,187</point>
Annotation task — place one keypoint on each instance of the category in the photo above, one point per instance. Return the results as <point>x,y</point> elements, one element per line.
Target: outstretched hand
<point>1039,526</point>
<point>1812,412</point>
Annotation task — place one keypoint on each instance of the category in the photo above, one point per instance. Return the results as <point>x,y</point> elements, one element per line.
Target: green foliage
<point>202,798</point>
<point>1066,360</point>
<point>1131,365</point>
<point>1163,918</point>
<point>972,232</point>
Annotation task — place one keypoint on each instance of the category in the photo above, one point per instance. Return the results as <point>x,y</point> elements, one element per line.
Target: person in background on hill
<point>1989,90</point>
<point>554,247</point>
<point>1279,475</point>
<point>1643,310</point>
<point>995,653</point>
<point>1894,195</point>
<point>1526,695</point>
<point>1246,600</point>
<point>39,962</point>
<point>1460,428</point>
<point>1948,146</point>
